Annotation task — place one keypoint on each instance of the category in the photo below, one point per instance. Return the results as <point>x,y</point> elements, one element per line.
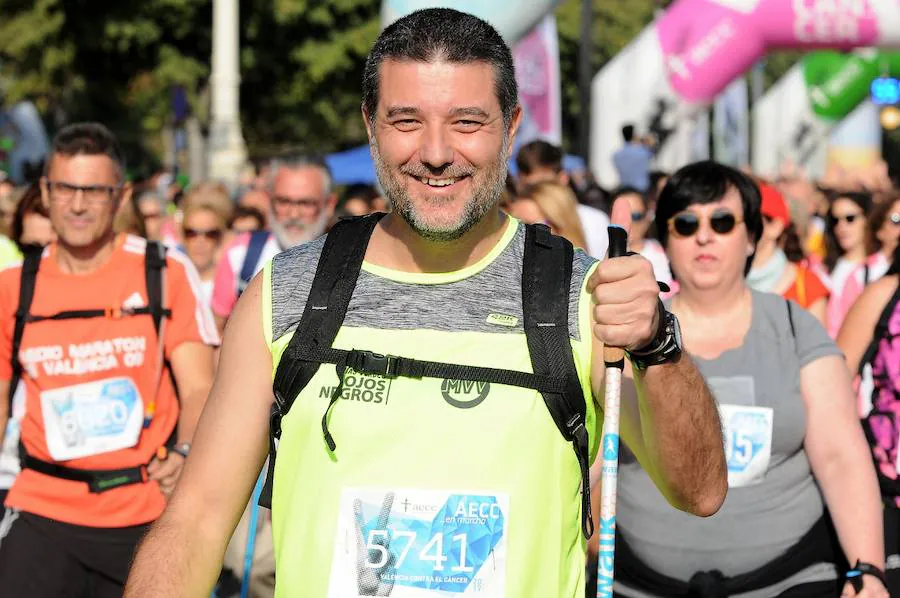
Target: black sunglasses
<point>686,224</point>
<point>211,234</point>
<point>848,218</point>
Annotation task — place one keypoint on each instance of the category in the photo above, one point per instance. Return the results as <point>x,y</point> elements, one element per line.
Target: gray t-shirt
<point>457,306</point>
<point>762,520</point>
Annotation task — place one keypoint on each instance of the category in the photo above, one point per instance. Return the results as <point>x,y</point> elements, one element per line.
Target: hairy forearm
<point>848,482</point>
<point>682,435</point>
<point>174,560</point>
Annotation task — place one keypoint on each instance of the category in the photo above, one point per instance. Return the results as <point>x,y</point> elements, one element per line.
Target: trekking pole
<point>251,534</point>
<point>614,359</point>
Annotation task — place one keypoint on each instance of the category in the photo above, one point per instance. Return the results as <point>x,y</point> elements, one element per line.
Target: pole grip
<point>618,247</point>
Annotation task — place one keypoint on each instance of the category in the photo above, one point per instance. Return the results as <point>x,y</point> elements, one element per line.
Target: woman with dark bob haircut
<point>803,498</point>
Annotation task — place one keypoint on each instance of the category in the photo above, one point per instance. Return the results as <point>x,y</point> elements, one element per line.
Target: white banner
<point>633,89</point>
<point>731,125</point>
<point>786,131</point>
<point>537,73</point>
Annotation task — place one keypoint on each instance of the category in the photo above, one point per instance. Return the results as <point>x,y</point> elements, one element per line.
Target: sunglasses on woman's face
<point>213,234</point>
<point>637,216</point>
<point>848,218</point>
<point>686,224</point>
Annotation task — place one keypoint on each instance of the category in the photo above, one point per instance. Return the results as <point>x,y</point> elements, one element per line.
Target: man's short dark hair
<point>87,139</point>
<point>539,154</point>
<point>628,133</point>
<point>444,34</point>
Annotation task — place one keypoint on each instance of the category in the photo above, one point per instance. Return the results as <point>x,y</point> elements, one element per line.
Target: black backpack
<point>546,277</point>
<point>154,264</point>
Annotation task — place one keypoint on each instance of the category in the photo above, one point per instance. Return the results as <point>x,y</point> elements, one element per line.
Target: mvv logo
<point>465,394</point>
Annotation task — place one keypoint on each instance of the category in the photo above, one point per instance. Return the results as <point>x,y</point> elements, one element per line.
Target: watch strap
<point>855,575</point>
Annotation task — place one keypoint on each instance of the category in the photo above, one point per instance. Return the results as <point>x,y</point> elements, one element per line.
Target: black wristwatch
<point>665,348</point>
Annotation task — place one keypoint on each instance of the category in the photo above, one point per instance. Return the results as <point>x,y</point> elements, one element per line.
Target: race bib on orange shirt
<point>92,418</point>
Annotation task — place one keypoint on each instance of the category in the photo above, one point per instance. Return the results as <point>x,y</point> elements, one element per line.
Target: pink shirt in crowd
<point>846,283</point>
<point>225,289</point>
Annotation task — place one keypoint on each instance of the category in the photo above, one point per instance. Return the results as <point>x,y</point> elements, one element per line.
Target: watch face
<point>676,331</point>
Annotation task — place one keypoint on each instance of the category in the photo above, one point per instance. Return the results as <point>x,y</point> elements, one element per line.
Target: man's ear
<point>563,178</point>
<point>367,121</point>
<point>45,193</point>
<point>513,129</point>
<point>124,197</point>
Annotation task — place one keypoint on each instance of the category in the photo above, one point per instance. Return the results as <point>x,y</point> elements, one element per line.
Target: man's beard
<point>308,232</point>
<point>484,196</point>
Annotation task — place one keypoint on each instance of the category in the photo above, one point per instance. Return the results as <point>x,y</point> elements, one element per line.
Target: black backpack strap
<point>546,280</point>
<point>154,265</point>
<point>255,247</point>
<point>339,265</point>
<point>27,282</point>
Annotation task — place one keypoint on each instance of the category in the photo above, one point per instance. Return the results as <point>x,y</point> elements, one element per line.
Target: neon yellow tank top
<point>436,487</point>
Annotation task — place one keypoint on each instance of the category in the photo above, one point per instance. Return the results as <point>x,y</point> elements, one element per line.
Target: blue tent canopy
<point>356,166</point>
<point>352,166</point>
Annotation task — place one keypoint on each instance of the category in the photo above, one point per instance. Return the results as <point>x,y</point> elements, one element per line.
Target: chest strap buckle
<point>368,362</point>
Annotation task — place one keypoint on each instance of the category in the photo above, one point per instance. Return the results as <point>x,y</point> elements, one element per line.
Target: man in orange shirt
<point>114,324</point>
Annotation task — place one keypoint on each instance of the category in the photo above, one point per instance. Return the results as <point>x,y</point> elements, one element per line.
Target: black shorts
<point>43,558</point>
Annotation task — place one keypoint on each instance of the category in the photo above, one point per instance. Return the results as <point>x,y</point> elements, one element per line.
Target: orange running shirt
<point>71,354</point>
<point>812,288</point>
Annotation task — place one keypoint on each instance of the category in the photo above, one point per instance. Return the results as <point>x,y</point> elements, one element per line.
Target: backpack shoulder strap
<point>27,283</point>
<point>326,306</point>
<point>154,266</point>
<point>258,239</point>
<point>546,280</point>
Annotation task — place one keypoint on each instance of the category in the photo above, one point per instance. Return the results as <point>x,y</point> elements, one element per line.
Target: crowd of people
<point>115,296</point>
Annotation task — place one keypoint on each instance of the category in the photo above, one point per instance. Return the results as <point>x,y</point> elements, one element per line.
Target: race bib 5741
<point>411,543</point>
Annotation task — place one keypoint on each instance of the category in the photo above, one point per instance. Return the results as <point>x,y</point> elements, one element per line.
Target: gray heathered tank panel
<point>381,303</point>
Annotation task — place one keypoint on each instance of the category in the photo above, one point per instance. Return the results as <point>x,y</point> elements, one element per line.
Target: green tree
<point>103,60</point>
<point>616,23</point>
<point>118,62</point>
<point>302,64</point>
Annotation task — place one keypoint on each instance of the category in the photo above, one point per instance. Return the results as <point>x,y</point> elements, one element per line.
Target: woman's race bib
<point>419,543</point>
<point>92,418</point>
<point>748,442</point>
